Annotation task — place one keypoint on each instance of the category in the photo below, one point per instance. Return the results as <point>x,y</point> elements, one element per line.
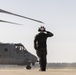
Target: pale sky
<point>59,17</point>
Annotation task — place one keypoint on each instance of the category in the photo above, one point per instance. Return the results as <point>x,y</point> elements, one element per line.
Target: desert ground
<point>35,71</point>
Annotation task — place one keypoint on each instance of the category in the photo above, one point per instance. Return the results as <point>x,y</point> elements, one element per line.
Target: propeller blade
<point>9,22</point>
<point>3,11</point>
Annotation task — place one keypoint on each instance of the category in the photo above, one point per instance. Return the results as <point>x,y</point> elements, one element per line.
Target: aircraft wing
<point>3,11</point>
<point>9,22</point>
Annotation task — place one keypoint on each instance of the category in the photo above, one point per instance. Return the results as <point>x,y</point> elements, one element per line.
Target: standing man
<point>41,46</point>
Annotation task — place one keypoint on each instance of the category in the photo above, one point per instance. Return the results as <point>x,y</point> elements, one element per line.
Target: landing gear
<point>28,67</point>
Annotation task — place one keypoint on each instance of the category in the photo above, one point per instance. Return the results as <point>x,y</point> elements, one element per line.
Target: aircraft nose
<point>33,58</point>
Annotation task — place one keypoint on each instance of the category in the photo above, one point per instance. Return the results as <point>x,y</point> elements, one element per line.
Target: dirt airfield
<point>35,71</point>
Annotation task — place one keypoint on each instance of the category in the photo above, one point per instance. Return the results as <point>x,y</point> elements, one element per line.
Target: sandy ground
<point>23,71</point>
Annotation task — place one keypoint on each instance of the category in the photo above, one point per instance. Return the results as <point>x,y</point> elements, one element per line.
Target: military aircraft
<point>16,54</point>
<point>12,53</point>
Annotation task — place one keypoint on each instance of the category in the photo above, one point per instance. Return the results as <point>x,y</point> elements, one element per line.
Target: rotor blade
<point>3,11</point>
<point>9,22</point>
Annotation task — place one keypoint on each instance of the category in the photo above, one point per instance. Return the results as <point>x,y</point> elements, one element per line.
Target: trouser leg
<point>43,62</point>
<point>39,54</point>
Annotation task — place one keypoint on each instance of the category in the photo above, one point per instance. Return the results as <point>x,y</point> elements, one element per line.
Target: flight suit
<point>41,48</point>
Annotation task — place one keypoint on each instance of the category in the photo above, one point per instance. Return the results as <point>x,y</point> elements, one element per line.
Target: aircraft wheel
<point>28,67</point>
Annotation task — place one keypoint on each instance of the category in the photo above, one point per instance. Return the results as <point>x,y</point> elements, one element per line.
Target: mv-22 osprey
<point>16,53</point>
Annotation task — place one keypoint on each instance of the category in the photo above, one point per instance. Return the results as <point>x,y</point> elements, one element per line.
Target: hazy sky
<point>59,17</point>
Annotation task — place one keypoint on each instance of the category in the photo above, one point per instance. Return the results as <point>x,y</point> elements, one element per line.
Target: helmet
<point>42,28</point>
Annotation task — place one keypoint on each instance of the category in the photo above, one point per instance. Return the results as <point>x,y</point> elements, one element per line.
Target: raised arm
<point>49,34</point>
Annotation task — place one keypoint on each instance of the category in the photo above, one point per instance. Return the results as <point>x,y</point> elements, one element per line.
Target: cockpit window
<point>19,47</point>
